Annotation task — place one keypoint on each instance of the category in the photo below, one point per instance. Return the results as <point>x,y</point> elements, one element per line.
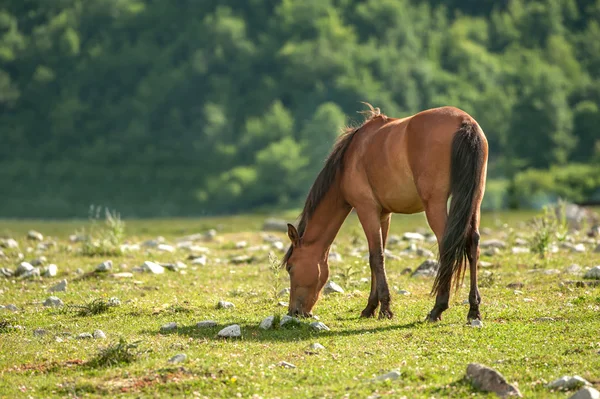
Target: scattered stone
<point>206,324</point>
<point>201,260</point>
<point>31,274</point>
<point>551,271</point>
<point>241,259</point>
<point>593,273</point>
<point>39,261</point>
<point>23,268</point>
<point>278,245</point>
<point>491,251</point>
<point>288,320</point>
<point>12,307</point>
<point>209,235</point>
<point>278,225</point>
<point>404,292</point>
<point>79,271</point>
<point>520,250</point>
<point>60,287</point>
<point>9,243</point>
<point>232,331</point>
<point>179,358</point>
<point>586,393</point>
<point>113,302</point>
<point>153,243</point>
<point>428,269</point>
<point>476,323</point>
<point>225,305</point>
<point>392,375</point>
<point>35,235</point>
<point>490,380</point>
<point>241,244</point>
<point>53,302</point>
<point>425,253</point>
<point>520,241</point>
<point>168,327</point>
<point>579,248</point>
<point>165,248</point>
<point>544,319</point>
<point>515,285</point>
<point>335,257</point>
<point>104,266</point>
<point>317,346</point>
<point>286,365</point>
<point>319,326</point>
<point>6,272</point>
<point>152,267</point>
<point>484,264</point>
<point>122,275</point>
<point>39,332</point>
<point>332,287</point>
<point>267,323</point>
<point>573,269</point>
<point>364,280</point>
<point>283,304</point>
<point>51,271</point>
<point>493,243</point>
<point>413,237</point>
<point>99,334</point>
<point>567,382</point>
<point>527,300</point>
<point>84,336</point>
<point>388,255</point>
<point>284,292</point>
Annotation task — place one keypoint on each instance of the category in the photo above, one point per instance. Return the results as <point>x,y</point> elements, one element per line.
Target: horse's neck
<point>326,220</point>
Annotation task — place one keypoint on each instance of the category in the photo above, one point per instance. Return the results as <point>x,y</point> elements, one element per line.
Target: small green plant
<point>275,276</point>
<point>347,273</point>
<point>97,306</point>
<point>103,240</point>
<point>551,226</point>
<point>118,353</point>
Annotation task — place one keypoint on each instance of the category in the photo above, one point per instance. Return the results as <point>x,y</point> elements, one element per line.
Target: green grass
<point>431,358</point>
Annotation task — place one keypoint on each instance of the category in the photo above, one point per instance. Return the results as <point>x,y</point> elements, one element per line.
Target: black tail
<point>466,167</point>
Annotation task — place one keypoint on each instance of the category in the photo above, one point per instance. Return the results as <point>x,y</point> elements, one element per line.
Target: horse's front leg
<point>373,224</point>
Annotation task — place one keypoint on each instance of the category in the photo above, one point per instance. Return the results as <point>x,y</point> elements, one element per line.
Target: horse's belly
<point>400,197</point>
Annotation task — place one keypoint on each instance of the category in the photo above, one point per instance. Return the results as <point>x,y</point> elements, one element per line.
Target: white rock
<point>593,273</point>
<point>520,250</point>
<point>284,292</point>
<point>425,253</point>
<point>9,243</point>
<point>152,267</point>
<point>51,270</point>
<point>278,245</point>
<point>104,266</point>
<point>332,287</point>
<point>283,304</point>
<point>586,393</point>
<point>428,268</point>
<point>232,331</point>
<point>392,375</point>
<point>573,269</point>
<point>493,243</point>
<point>153,243</point>
<point>317,346</point>
<point>201,260</point>
<point>99,334</point>
<point>266,323</point>
<point>241,244</point>
<point>476,323</point>
<point>114,302</point>
<point>335,257</point>
<point>206,324</point>
<point>168,327</point>
<point>179,358</point>
<point>39,332</point>
<point>580,248</point>
<point>404,292</point>
<point>568,382</point>
<point>60,287</point>
<point>84,336</point>
<point>413,237</point>
<point>122,275</point>
<point>165,248</point>
<point>319,326</point>
<point>225,305</point>
<point>53,302</point>
<point>23,268</point>
<point>286,365</point>
<point>287,319</point>
<point>35,235</point>
<point>39,261</point>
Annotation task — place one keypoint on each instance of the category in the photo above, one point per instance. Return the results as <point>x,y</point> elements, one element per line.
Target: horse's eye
<point>288,267</point>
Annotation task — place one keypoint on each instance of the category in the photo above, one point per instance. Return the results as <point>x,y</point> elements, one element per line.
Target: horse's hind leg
<point>374,225</point>
<point>437,215</point>
<point>473,256</point>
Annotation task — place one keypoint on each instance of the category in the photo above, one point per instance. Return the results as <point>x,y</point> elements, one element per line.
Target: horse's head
<point>309,271</point>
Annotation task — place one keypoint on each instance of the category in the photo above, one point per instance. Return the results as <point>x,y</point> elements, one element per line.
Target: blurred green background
<point>207,107</point>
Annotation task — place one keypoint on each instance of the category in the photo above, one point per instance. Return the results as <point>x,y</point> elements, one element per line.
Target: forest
<point>206,107</point>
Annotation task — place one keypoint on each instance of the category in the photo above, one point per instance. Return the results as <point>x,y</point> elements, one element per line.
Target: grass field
<point>532,336</point>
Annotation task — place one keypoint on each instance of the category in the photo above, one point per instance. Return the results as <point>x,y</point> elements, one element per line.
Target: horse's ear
<point>293,235</point>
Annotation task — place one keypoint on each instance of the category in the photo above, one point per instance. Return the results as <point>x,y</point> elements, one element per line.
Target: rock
<point>413,237</point>
<point>317,346</point>
<point>593,273</point>
<point>404,292</point>
<point>236,260</point>
<point>544,319</point>
<point>206,324</point>
<point>23,268</point>
<point>520,241</point>
<point>335,257</point>
<point>9,243</point>
<point>104,266</point>
<point>113,302</point>
<point>153,243</point>
<point>286,365</point>
<point>493,243</point>
<point>122,275</point>
<point>428,269</point>
<point>53,302</point>
<point>573,269</point>
<point>51,271</point>
<point>209,235</point>
<point>332,287</point>
<point>520,250</point>
<point>586,393</point>
<point>484,264</point>
<point>168,327</point>
<point>165,248</point>
<point>283,304</point>
<point>388,255</point>
<point>201,260</point>
<point>39,332</point>
<point>491,252</point>
<point>319,326</point>
<point>392,375</point>
<point>267,323</point>
<point>579,248</point>
<point>31,274</point>
<point>278,225</point>
<point>39,261</point>
<point>35,235</point>
<point>490,380</point>
<point>278,245</point>
<point>476,323</point>
<point>60,287</point>
<point>84,336</point>
<point>152,267</point>
<point>288,320</point>
<point>284,292</point>
<point>179,358</point>
<point>99,334</point>
<point>79,271</point>
<point>567,382</point>
<point>597,250</point>
<point>241,244</point>
<point>225,305</point>
<point>232,331</point>
<point>515,285</point>
<point>425,253</point>
<point>12,307</point>
<point>6,272</point>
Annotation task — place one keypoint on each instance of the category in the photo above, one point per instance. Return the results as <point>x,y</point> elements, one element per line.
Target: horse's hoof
<point>367,313</point>
<point>473,315</point>
<point>433,318</point>
<point>386,314</point>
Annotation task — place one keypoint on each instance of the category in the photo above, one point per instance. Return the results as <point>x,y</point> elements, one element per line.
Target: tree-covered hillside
<point>195,107</point>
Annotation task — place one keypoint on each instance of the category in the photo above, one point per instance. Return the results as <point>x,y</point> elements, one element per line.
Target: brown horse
<point>386,166</point>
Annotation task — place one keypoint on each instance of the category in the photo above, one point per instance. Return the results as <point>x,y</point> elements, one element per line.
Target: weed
<point>347,273</point>
<point>97,306</point>
<point>103,240</point>
<point>547,228</point>
<point>275,276</point>
<point>118,353</point>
